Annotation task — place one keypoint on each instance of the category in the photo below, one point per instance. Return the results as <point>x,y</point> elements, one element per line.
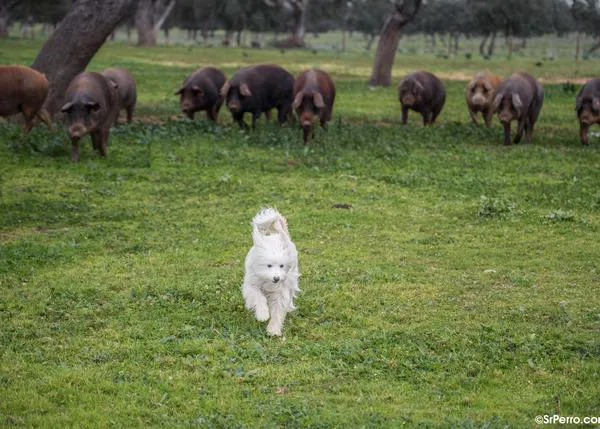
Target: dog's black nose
<point>275,279</point>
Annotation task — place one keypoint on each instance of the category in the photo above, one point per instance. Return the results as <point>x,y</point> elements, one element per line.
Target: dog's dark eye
<point>269,266</point>
<point>281,266</point>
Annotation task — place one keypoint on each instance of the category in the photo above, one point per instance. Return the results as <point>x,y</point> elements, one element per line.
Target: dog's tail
<point>269,221</point>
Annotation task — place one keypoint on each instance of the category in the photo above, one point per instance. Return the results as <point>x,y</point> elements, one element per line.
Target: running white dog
<point>271,279</point>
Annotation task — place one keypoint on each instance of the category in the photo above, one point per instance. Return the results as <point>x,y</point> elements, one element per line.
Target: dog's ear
<point>257,237</point>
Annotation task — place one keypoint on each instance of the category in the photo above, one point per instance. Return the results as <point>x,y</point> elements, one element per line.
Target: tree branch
<point>160,21</point>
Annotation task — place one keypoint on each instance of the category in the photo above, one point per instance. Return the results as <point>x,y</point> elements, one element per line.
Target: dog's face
<point>271,258</point>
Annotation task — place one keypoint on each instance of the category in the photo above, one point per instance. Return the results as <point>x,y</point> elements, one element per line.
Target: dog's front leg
<point>278,312</point>
<point>256,301</point>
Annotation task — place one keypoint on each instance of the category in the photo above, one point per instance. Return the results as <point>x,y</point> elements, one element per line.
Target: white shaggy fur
<point>271,279</point>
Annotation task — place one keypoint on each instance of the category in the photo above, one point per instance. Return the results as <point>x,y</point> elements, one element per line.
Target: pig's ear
<point>112,83</point>
<point>225,89</point>
<point>596,104</point>
<point>516,101</point>
<point>497,101</point>
<point>487,85</point>
<point>197,90</point>
<point>298,100</point>
<point>179,92</point>
<point>66,107</point>
<point>244,90</point>
<point>318,100</point>
<point>471,85</point>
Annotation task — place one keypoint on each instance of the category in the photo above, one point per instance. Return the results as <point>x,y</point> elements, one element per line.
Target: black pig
<point>519,97</point>
<point>91,107</point>
<point>422,92</point>
<point>258,89</point>
<point>201,91</point>
<point>587,105</point>
<point>314,94</point>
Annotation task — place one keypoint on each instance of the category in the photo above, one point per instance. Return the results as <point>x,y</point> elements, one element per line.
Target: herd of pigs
<point>93,100</point>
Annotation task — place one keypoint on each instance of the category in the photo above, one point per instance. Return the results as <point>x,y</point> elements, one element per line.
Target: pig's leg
<point>506,133</point>
<point>104,142</point>
<point>28,125</point>
<point>99,140</point>
<point>268,115</point>
<point>521,125</point>
<point>404,114</point>
<point>283,112</point>
<point>474,117</point>
<point>211,113</point>
<point>129,111</point>
<point>28,114</point>
<point>306,132</point>
<point>239,118</point>
<point>255,116</point>
<point>528,131</point>
<point>583,133</point>
<point>427,115</point>
<point>75,150</point>
<point>488,115</point>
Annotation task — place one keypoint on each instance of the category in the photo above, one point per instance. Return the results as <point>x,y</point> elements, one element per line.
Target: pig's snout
<point>77,131</point>
<point>588,117</point>
<point>234,106</point>
<point>186,106</point>
<point>478,100</point>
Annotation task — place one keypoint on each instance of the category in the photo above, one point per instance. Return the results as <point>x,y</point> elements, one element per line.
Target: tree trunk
<point>491,46</point>
<point>509,42</point>
<point>592,49</point>
<point>456,43</point>
<point>299,19</point>
<point>577,45</point>
<point>4,20</point>
<point>370,42</point>
<point>144,23</point>
<point>387,46</point>
<point>70,48</point>
<point>148,20</point>
<point>482,45</point>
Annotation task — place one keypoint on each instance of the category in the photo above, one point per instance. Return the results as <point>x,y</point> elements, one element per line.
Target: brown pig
<point>125,87</point>
<point>201,91</point>
<point>314,94</point>
<point>23,90</point>
<point>258,89</point>
<point>91,107</point>
<point>424,93</point>
<point>587,105</point>
<point>519,97</point>
<point>480,95</point>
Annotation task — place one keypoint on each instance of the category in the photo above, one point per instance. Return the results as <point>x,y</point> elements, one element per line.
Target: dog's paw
<point>262,313</point>
<point>274,330</point>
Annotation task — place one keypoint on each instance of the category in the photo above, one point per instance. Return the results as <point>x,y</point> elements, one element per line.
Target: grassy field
<point>460,290</point>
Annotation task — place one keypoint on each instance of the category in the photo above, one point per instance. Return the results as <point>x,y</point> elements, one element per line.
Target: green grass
<point>460,290</point>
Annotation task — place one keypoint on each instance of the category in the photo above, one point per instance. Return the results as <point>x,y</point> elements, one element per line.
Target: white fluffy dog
<point>271,279</point>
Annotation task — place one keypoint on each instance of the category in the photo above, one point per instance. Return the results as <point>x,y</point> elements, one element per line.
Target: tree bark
<point>144,23</point>
<point>71,47</point>
<point>389,38</point>
<point>5,9</point>
<point>482,45</point>
<point>491,46</point>
<point>4,20</point>
<point>577,45</point>
<point>149,18</point>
